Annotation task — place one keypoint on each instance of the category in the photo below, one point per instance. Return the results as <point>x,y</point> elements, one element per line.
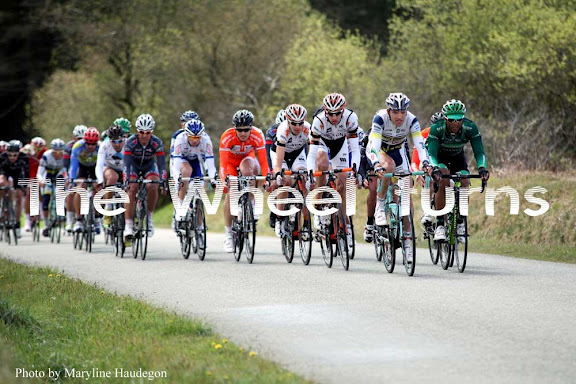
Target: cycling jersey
<point>68,153</point>
<point>173,138</point>
<point>442,142</point>
<point>233,151</point>
<point>35,161</point>
<point>82,156</point>
<point>50,167</point>
<point>270,139</point>
<point>141,159</point>
<point>184,151</point>
<point>110,158</point>
<point>387,137</point>
<point>17,169</point>
<point>332,139</point>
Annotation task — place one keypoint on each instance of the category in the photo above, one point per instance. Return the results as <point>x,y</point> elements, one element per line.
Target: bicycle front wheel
<point>305,237</point>
<point>249,231</point>
<point>409,266</point>
<point>461,249</point>
<point>326,245</point>
<point>352,249</point>
<point>288,240</point>
<point>200,230</point>
<point>339,223</point>
<point>144,232</point>
<point>185,238</point>
<point>35,231</point>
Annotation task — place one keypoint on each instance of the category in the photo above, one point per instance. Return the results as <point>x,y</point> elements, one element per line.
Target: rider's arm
<point>74,161</point>
<point>280,153</point>
<point>209,163</point>
<point>100,161</point>
<point>41,174</point>
<point>127,162</point>
<point>269,143</point>
<point>375,139</point>
<point>314,143</point>
<point>477,147</point>
<point>224,155</point>
<point>418,142</point>
<point>433,145</point>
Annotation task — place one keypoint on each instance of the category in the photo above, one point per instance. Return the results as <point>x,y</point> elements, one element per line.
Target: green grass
<point>48,320</point>
<point>551,236</point>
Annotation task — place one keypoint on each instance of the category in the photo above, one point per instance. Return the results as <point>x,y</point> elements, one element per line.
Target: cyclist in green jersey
<point>445,144</point>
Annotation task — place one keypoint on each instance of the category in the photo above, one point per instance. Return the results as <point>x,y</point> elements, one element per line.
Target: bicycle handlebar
<point>88,181</point>
<point>204,178</point>
<point>333,171</point>
<point>145,181</point>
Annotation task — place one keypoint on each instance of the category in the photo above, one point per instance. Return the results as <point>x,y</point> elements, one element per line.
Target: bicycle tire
<point>389,233</point>
<point>144,234</point>
<point>89,228</point>
<point>35,231</point>
<point>339,224</point>
<point>326,246</point>
<point>136,242</point>
<point>287,239</point>
<point>250,231</point>
<point>237,238</point>
<point>352,251</point>
<point>200,230</point>
<point>462,258</point>
<point>410,267</point>
<point>444,250</point>
<point>305,242</point>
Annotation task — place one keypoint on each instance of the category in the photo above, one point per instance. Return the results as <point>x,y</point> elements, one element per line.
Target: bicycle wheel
<point>444,253</point>
<point>409,267</point>
<point>432,245</point>
<point>137,237</point>
<point>352,249</point>
<point>305,236</point>
<point>200,230</point>
<point>326,244</point>
<point>249,231</point>
<point>186,238</point>
<point>35,231</point>
<point>339,224</point>
<point>144,234</point>
<point>238,238</point>
<point>461,249</point>
<point>288,239</point>
<point>89,229</point>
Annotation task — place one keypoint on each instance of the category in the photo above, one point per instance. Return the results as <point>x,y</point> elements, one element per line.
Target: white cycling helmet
<point>145,122</point>
<point>296,113</point>
<point>57,144</point>
<point>398,102</point>
<point>79,131</point>
<point>281,116</point>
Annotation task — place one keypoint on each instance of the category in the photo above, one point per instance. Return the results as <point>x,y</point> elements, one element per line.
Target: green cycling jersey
<point>441,141</point>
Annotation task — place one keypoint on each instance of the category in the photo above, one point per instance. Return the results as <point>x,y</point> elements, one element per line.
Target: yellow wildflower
<point>252,354</point>
<point>217,346</point>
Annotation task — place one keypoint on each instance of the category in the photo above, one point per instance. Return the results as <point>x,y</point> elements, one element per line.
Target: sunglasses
<point>145,132</point>
<point>90,144</point>
<point>119,141</point>
<point>300,123</point>
<point>243,130</point>
<point>12,154</point>
<point>454,120</point>
<point>334,113</point>
<point>195,137</point>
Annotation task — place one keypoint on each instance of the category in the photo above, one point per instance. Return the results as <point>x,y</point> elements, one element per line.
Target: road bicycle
<point>389,237</point>
<point>85,238</point>
<point>140,236</point>
<point>54,223</point>
<point>244,224</point>
<point>333,231</point>
<point>451,249</point>
<point>8,216</point>
<point>114,233</point>
<point>296,227</point>
<point>192,230</point>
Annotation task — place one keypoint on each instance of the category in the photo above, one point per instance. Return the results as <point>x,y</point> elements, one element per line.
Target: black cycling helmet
<point>116,132</point>
<point>243,118</point>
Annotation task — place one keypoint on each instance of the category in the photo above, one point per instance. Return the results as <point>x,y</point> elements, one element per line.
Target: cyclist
<point>270,139</point>
<point>191,148</point>
<point>78,134</point>
<point>445,143</point>
<point>289,149</point>
<point>388,149</point>
<point>332,129</point>
<point>125,124</point>
<point>83,166</point>
<point>143,156</point>
<point>110,162</point>
<point>51,167</point>
<point>14,165</point>
<point>238,146</point>
<point>3,145</point>
<point>184,118</point>
<point>38,147</point>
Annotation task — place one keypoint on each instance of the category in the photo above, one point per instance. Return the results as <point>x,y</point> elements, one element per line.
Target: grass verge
<point>53,322</point>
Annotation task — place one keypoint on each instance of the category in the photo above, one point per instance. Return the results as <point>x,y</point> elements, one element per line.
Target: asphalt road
<point>504,320</point>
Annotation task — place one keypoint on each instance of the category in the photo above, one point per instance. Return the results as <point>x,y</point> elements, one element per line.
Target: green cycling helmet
<point>454,109</point>
<point>124,123</point>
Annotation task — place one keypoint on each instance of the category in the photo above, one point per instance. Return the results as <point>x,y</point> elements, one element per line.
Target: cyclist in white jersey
<point>51,167</point>
<point>289,149</point>
<point>332,129</point>
<point>191,148</point>
<point>388,145</point>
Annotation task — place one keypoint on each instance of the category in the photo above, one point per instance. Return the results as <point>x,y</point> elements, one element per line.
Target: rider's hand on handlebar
<point>484,174</point>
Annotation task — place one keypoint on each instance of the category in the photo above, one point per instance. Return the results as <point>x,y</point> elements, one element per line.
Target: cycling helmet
<point>38,142</point>
<point>145,122</point>
<point>334,102</point>
<point>454,109</point>
<point>243,118</point>
<point>91,136</point>
<point>281,116</point>
<point>79,131</point>
<point>116,132</point>
<point>189,115</point>
<point>3,145</point>
<point>124,123</point>
<point>57,144</point>
<point>398,102</point>
<point>14,146</point>
<point>435,117</point>
<point>296,113</point>
<point>194,127</point>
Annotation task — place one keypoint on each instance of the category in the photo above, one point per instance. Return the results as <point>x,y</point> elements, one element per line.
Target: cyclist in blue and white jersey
<point>78,134</point>
<point>184,118</point>
<point>51,167</point>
